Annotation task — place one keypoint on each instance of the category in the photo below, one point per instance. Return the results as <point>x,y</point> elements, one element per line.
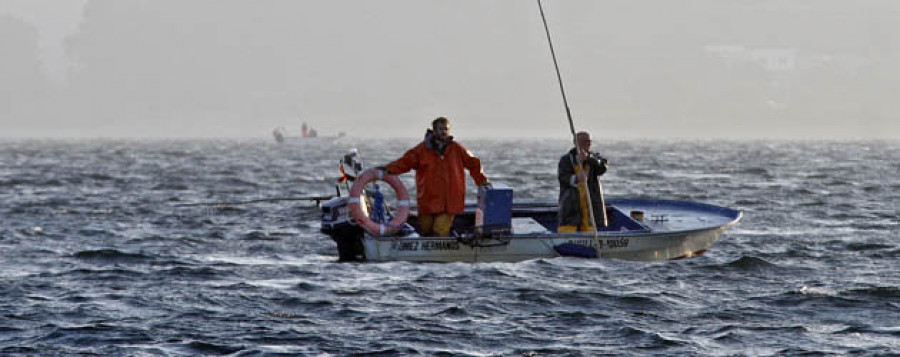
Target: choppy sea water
<point>99,258</point>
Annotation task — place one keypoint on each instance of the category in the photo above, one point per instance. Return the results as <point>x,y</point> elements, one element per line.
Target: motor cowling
<point>340,226</point>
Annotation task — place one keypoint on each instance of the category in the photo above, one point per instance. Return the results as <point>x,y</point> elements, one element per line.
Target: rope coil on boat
<point>362,218</point>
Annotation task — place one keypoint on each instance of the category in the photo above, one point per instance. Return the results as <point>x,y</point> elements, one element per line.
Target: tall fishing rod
<point>558,75</point>
<point>580,163</point>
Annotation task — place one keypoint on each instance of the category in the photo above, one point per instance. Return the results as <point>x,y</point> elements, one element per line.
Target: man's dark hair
<point>439,120</point>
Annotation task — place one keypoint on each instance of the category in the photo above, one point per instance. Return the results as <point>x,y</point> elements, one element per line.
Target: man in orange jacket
<point>440,180</point>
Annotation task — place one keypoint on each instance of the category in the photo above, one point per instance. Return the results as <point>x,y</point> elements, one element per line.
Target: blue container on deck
<point>493,216</point>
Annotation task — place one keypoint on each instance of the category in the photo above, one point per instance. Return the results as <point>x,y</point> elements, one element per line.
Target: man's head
<point>441,128</point>
<point>583,139</point>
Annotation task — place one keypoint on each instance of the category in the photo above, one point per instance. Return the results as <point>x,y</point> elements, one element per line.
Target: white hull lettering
<point>436,245</point>
<point>409,246</point>
<point>405,246</point>
<point>585,242</point>
<point>617,243</point>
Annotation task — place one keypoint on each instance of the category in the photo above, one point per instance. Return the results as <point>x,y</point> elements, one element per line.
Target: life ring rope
<point>403,202</point>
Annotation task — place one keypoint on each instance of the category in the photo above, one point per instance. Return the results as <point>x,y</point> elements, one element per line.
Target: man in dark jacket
<point>573,198</point>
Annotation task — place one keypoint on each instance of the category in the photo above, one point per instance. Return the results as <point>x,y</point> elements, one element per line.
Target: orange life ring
<point>400,216</point>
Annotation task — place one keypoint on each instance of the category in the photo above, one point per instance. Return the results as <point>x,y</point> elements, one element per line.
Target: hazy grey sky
<point>632,69</point>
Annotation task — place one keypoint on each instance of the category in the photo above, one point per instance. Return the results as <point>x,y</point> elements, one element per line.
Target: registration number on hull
<point>612,243</point>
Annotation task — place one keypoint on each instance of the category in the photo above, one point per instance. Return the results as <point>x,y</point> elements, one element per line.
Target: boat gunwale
<point>575,235</point>
<point>725,212</point>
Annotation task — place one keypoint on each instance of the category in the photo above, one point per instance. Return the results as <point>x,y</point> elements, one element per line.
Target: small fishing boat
<point>499,230</point>
<point>496,229</point>
<point>281,136</point>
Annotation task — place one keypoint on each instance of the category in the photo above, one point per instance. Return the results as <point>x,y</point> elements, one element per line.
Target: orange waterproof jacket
<point>440,180</point>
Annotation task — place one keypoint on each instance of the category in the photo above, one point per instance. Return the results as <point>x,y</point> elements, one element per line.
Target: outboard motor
<point>336,220</point>
<point>337,224</point>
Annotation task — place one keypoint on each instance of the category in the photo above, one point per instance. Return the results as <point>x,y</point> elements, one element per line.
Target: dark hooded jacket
<point>569,211</point>
<point>440,175</point>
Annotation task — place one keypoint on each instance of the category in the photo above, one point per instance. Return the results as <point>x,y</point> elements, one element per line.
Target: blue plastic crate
<point>493,216</point>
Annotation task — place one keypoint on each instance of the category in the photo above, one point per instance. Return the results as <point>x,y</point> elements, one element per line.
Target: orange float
<point>362,218</point>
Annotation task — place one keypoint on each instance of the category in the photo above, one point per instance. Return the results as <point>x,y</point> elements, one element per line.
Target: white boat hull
<point>641,247</point>
<point>663,230</point>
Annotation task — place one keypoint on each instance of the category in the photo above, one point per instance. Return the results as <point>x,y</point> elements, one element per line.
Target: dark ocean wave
<point>115,273</point>
<point>865,246</point>
<point>193,273</point>
<point>892,253</point>
<point>749,264</point>
<point>206,348</point>
<point>112,256</point>
<point>171,186</point>
<point>878,292</point>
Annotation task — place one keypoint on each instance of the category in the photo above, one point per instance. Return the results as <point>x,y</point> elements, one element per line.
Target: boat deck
<point>659,216</point>
<point>670,216</point>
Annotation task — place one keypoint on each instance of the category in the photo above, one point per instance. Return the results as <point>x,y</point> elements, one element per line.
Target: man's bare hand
<point>583,155</point>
